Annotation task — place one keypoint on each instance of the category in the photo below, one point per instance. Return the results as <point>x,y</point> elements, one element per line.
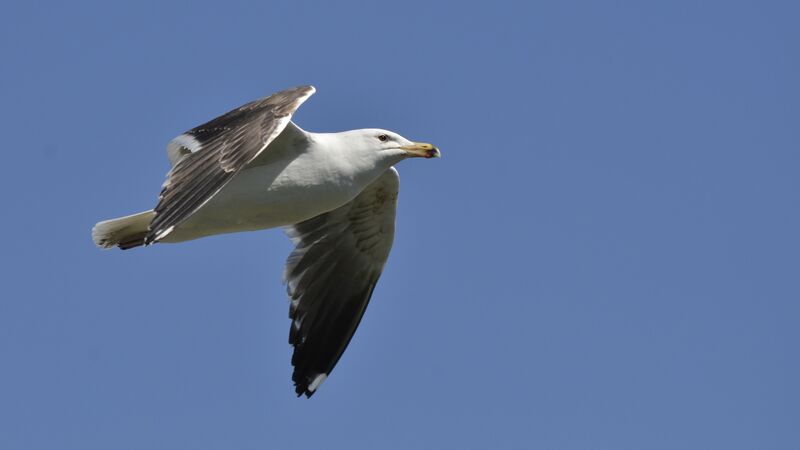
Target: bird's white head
<point>389,145</point>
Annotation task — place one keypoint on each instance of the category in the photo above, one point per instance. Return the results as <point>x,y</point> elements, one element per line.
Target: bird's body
<point>303,175</point>
<point>334,193</point>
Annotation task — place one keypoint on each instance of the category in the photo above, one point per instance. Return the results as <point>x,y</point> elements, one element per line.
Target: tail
<point>124,232</point>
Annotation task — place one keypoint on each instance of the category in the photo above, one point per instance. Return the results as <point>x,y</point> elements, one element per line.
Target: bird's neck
<point>348,156</point>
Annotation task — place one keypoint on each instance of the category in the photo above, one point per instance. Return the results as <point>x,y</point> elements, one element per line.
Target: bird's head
<point>392,145</point>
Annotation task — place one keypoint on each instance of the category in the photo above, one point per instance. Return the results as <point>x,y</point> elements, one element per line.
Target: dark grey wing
<point>330,276</point>
<point>205,158</point>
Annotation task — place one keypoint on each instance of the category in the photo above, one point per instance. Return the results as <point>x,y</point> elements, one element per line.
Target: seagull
<point>335,194</point>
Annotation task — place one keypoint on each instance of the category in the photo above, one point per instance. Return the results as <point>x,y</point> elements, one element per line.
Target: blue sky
<point>606,256</point>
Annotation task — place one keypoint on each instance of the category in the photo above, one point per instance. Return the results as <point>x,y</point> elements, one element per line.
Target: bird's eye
<point>383,138</point>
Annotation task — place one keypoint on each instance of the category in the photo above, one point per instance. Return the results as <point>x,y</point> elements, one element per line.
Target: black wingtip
<point>302,389</point>
<point>305,385</point>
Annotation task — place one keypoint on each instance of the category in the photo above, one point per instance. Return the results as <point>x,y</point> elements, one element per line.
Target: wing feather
<point>219,149</point>
<point>331,274</point>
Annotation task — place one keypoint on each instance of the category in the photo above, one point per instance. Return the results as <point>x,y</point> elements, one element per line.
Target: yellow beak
<point>422,149</point>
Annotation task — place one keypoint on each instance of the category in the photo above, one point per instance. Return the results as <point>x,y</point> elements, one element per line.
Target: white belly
<point>267,196</point>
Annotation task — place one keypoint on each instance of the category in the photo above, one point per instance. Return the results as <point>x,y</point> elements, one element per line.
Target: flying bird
<point>334,193</point>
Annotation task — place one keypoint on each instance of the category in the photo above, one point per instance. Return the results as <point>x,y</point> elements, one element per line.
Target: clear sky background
<point>606,256</point>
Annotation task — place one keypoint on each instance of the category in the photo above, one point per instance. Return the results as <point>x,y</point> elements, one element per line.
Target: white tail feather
<point>123,231</point>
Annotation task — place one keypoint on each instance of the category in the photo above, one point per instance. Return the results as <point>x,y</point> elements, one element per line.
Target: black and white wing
<point>330,276</point>
<point>205,158</point>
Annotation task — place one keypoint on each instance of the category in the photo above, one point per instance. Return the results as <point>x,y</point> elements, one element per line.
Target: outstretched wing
<point>330,276</point>
<point>205,158</point>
